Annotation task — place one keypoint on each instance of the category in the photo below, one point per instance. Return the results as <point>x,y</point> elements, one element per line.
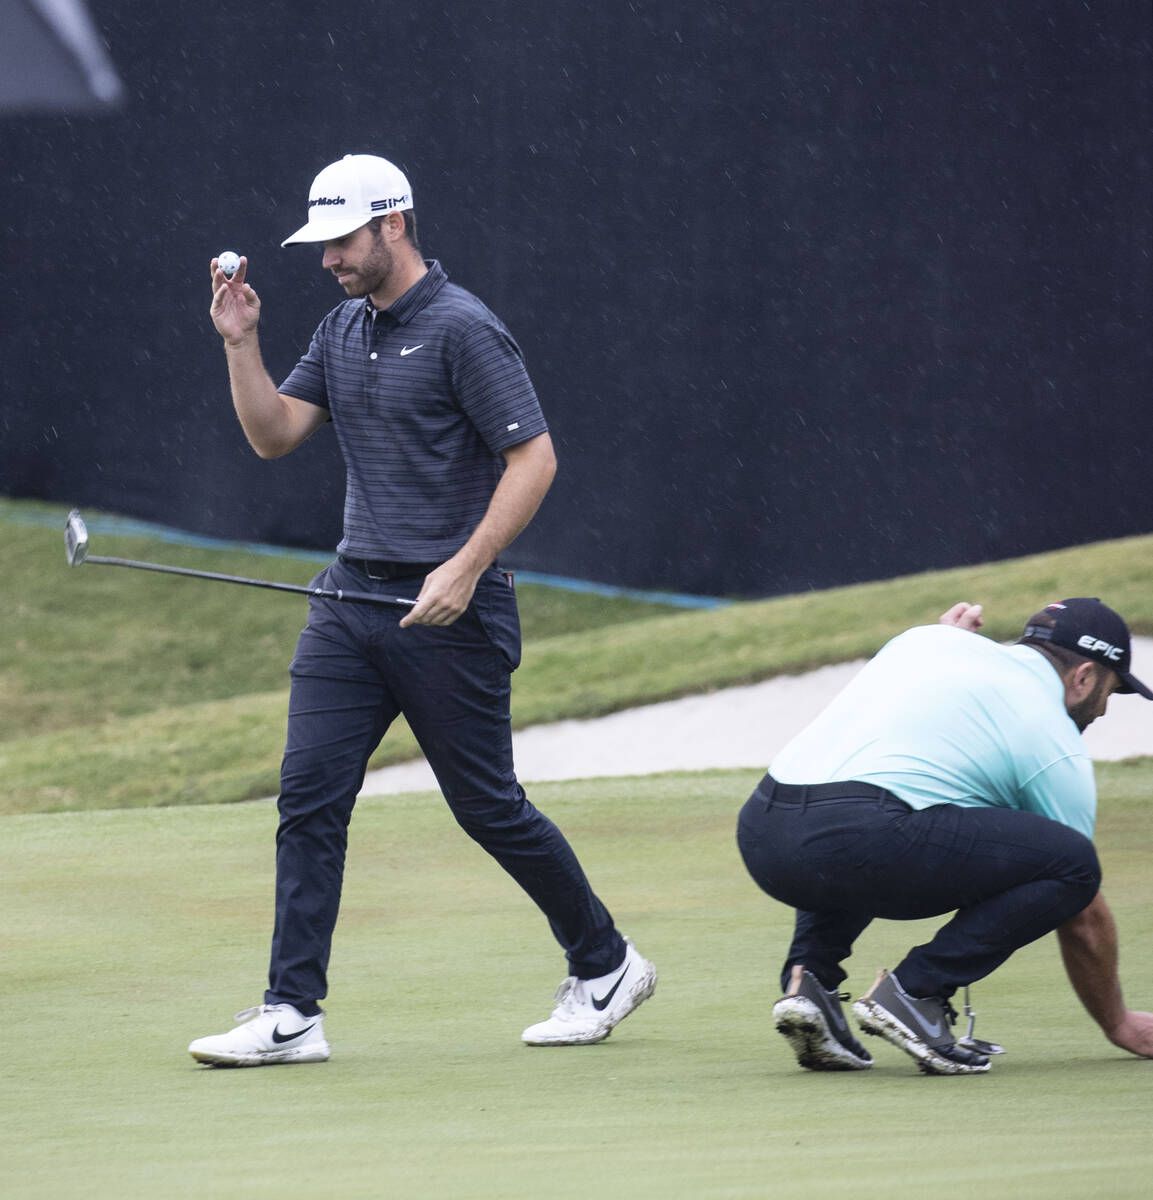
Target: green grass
<point>134,927</point>
<point>84,645</point>
<point>128,933</point>
<point>127,688</point>
<point>124,689</point>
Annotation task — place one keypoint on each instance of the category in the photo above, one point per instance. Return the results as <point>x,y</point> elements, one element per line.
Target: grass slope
<point>123,688</point>
<point>126,688</point>
<point>128,933</point>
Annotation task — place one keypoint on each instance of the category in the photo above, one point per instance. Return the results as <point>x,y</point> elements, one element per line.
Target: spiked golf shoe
<point>812,1021</point>
<point>922,1027</point>
<point>587,1010</point>
<point>266,1035</point>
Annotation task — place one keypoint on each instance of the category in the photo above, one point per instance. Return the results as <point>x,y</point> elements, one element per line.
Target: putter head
<point>75,539</point>
<point>979,1046</point>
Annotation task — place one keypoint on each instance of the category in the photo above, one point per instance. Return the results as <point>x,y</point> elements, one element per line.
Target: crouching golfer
<point>948,777</point>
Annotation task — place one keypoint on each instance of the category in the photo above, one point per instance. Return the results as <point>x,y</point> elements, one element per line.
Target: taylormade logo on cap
<point>348,194</point>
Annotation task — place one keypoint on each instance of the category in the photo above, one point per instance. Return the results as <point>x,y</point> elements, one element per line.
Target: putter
<point>969,1042</point>
<point>76,549</point>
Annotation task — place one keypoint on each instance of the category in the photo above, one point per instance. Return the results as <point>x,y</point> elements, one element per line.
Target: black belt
<point>814,793</point>
<point>376,568</point>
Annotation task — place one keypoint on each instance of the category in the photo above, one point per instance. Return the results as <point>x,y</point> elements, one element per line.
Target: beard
<point>1079,714</point>
<point>1084,714</point>
<point>371,275</point>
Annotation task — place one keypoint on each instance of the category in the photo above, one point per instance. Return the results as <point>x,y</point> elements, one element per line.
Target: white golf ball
<point>229,262</point>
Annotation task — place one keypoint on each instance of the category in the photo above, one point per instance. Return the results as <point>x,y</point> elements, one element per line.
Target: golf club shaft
<point>322,593</point>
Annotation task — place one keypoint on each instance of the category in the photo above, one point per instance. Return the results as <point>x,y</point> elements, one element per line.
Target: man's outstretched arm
<point>1089,948</point>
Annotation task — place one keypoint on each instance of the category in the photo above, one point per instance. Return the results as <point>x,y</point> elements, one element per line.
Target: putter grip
<point>364,597</point>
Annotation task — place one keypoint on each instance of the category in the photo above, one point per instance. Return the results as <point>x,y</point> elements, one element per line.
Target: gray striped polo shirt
<point>424,396</point>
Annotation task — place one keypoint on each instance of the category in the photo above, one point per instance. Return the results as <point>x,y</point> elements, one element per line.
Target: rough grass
<point>82,646</point>
<point>123,688</point>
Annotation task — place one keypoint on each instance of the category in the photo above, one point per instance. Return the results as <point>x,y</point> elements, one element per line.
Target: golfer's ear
<point>1083,678</point>
<point>393,225</point>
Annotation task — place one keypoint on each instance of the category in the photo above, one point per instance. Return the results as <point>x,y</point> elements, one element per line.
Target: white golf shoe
<point>587,1010</point>
<point>267,1034</point>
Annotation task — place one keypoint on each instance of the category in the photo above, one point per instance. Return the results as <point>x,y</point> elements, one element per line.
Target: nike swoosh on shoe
<point>280,1038</point>
<point>936,1028</point>
<point>602,1002</point>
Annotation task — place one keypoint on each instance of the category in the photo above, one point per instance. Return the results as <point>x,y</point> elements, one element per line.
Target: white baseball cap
<point>348,194</point>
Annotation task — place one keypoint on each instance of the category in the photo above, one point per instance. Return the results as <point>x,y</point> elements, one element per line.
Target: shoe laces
<point>566,998</point>
<point>246,1014</point>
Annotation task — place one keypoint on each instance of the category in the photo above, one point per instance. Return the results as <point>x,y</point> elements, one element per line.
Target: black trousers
<point>844,854</point>
<point>354,672</point>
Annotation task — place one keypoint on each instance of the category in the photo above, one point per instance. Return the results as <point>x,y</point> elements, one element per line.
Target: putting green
<point>127,933</point>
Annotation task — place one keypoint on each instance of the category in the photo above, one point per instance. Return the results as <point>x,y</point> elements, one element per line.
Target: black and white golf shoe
<point>588,1010</point>
<point>812,1021</point>
<point>922,1027</point>
<point>267,1035</point>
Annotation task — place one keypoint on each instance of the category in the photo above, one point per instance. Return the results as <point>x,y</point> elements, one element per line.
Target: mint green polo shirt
<point>944,716</point>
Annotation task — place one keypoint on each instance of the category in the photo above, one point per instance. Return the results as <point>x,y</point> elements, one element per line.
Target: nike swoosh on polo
<point>280,1038</point>
<point>405,351</point>
<point>601,1003</point>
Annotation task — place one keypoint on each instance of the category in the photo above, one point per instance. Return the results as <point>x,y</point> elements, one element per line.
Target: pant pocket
<point>495,601</point>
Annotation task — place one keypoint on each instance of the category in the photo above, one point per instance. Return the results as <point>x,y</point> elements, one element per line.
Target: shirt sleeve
<point>306,380</point>
<point>493,388</point>
<point>1064,791</point>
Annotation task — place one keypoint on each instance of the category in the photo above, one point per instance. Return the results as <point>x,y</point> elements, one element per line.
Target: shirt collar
<point>405,307</point>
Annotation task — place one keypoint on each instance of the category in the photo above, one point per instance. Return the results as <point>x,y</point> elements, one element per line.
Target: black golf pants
<point>354,672</point>
<point>844,854</point>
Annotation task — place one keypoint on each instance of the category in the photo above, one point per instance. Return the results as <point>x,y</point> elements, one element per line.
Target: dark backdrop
<point>812,293</point>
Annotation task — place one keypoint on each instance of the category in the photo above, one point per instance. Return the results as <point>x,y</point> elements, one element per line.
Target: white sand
<point>737,727</point>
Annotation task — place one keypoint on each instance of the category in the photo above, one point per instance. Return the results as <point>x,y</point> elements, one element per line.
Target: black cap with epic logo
<point>1093,630</point>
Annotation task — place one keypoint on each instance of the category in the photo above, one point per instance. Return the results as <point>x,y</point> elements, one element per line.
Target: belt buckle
<point>368,564</point>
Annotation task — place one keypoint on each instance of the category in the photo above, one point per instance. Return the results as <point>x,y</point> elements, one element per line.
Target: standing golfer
<point>949,776</point>
<point>448,457</point>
